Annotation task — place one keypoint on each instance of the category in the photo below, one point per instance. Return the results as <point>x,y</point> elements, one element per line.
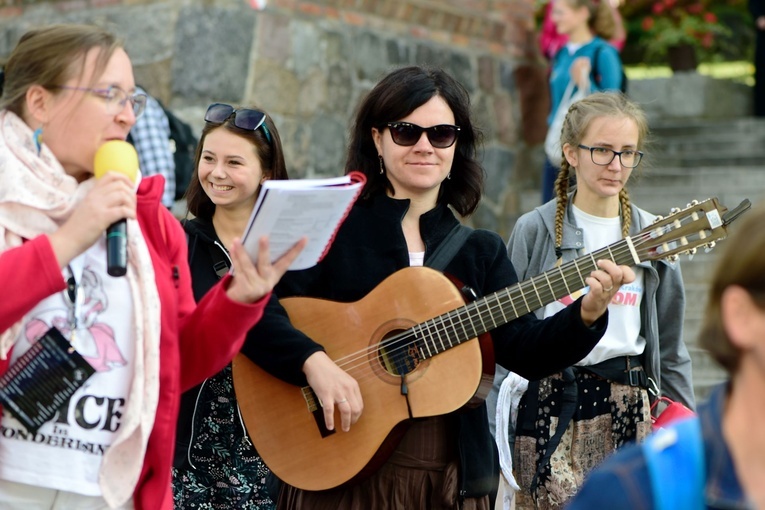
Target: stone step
<point>731,144</point>
<point>709,128</point>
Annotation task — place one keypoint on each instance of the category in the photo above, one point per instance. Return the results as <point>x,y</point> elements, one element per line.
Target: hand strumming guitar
<point>334,387</point>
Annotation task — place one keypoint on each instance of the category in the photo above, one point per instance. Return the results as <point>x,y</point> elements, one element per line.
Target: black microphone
<point>116,156</point>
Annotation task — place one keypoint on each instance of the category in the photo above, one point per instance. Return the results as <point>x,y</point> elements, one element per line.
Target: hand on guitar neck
<point>335,388</point>
<point>604,284</point>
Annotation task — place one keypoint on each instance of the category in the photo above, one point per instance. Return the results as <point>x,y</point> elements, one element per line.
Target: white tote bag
<point>552,140</point>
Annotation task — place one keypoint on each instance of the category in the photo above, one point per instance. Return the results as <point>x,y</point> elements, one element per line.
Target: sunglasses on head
<point>408,134</point>
<point>244,118</point>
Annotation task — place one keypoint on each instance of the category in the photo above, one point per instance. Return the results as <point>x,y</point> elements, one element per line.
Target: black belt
<point>623,369</point>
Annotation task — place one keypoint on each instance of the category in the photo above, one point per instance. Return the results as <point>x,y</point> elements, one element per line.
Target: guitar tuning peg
<point>658,218</point>
<point>693,251</point>
<point>710,246</point>
<point>674,210</point>
<point>674,257</point>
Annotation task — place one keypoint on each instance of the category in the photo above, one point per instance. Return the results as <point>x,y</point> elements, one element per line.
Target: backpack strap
<point>596,77</point>
<point>221,264</point>
<point>449,247</point>
<point>676,467</point>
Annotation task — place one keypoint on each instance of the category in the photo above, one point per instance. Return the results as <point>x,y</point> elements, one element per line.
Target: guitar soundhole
<point>399,354</point>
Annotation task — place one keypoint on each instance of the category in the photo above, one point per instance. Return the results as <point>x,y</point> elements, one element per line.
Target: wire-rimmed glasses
<point>115,98</point>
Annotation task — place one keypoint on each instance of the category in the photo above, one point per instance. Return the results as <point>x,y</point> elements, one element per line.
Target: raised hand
<point>251,280</point>
<point>112,198</point>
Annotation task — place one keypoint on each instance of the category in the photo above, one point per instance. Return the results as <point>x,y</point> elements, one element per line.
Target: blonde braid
<point>624,199</point>
<point>561,192</point>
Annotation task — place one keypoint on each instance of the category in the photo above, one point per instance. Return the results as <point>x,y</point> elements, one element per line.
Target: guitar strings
<point>491,308</point>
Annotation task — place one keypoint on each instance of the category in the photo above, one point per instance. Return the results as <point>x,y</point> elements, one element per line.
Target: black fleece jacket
<point>203,241</point>
<point>369,247</point>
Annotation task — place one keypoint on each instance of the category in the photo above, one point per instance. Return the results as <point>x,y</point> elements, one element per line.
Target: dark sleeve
<point>535,348</point>
<point>277,346</point>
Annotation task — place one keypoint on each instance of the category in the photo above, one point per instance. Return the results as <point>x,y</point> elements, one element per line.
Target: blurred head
<point>734,322</point>
<point>76,83</point>
<point>237,151</point>
<point>602,122</point>
<point>571,15</point>
<point>417,97</point>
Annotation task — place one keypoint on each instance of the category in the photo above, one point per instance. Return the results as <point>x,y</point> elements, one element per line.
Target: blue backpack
<point>676,466</point>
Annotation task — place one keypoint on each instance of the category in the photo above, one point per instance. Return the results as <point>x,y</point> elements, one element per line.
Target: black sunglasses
<point>244,118</point>
<point>407,134</point>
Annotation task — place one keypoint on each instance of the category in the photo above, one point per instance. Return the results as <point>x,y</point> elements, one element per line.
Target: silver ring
<point>342,401</point>
<point>609,289</point>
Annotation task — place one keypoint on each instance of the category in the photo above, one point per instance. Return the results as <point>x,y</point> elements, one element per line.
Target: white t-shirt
<point>622,336</point>
<point>416,258</point>
<point>65,453</point>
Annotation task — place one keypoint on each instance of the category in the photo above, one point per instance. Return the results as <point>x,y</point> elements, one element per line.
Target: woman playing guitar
<point>414,138</point>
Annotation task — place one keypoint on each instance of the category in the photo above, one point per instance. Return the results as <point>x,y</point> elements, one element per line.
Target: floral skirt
<point>607,416</point>
<point>223,470</point>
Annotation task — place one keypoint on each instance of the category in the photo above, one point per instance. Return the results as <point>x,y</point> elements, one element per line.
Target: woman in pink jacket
<point>66,90</point>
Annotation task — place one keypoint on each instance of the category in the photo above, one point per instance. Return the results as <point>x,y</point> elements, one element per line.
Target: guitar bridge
<point>314,406</point>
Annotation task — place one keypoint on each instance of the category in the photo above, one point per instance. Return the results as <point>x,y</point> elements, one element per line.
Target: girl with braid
<point>569,422</point>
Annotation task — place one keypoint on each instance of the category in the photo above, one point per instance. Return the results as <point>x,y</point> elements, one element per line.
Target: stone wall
<point>308,63</point>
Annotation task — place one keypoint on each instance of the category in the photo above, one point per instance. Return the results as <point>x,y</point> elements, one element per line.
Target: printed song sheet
<point>288,210</point>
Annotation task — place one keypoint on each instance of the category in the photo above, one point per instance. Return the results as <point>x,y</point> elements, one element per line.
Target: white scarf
<point>36,197</point>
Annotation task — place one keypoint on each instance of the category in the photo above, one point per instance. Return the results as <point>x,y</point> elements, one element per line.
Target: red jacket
<point>196,341</point>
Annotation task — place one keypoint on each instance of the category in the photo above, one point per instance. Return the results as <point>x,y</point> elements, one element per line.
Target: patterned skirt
<point>421,474</point>
<point>225,471</point>
<point>606,416</point>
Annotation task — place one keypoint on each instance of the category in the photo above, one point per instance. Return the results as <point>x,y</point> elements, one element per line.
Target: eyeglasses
<point>244,118</point>
<point>407,134</point>
<point>603,157</point>
<point>115,98</point>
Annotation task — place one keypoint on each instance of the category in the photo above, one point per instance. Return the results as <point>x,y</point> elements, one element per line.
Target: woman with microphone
<point>67,90</point>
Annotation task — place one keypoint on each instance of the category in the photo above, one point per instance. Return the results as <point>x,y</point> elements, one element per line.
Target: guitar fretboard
<point>485,314</point>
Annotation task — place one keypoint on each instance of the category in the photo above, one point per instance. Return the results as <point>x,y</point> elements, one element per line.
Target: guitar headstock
<point>684,230</point>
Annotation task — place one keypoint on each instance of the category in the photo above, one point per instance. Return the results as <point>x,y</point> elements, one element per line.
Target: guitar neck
<point>485,314</point>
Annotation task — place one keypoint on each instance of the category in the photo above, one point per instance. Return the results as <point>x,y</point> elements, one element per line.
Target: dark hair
<point>270,154</point>
<point>397,95</point>
<point>48,57</point>
<point>743,265</point>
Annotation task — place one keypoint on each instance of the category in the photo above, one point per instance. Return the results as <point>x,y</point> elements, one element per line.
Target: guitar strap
<point>449,247</point>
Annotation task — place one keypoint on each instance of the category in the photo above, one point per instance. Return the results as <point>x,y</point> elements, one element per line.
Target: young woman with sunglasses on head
<point>414,139</point>
<point>66,90</point>
<point>602,139</point>
<point>215,464</point>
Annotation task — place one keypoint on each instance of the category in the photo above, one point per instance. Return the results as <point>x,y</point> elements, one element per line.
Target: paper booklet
<point>288,210</point>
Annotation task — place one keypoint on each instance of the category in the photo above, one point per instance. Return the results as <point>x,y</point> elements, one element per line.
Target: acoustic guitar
<point>412,346</point>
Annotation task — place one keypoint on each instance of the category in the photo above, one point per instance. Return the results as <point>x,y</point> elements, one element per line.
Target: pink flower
<point>648,23</point>
<point>710,17</point>
<point>658,8</point>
